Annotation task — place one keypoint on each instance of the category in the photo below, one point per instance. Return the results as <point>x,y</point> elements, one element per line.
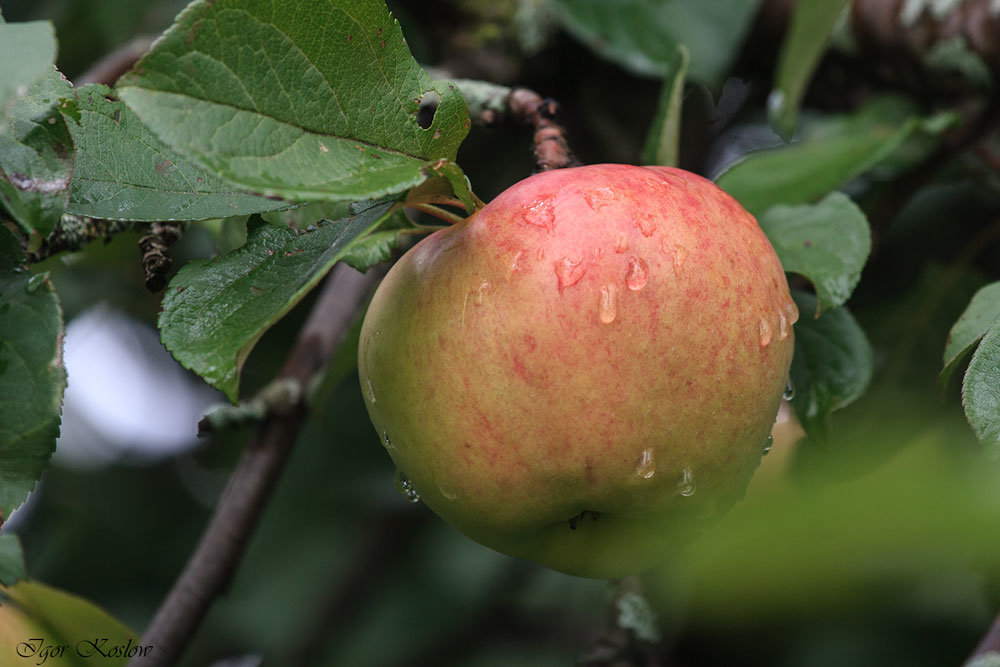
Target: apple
<point>584,372</point>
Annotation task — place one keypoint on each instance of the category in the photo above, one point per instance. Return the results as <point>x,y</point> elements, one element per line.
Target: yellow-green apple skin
<point>586,371</point>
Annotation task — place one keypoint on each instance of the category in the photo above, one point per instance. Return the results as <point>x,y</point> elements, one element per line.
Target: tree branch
<point>215,559</point>
<point>109,68</point>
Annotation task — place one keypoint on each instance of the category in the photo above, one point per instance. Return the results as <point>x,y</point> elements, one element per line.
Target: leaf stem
<point>438,212</point>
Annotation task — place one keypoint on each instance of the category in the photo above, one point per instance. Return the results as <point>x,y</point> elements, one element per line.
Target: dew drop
<point>608,305</point>
<point>621,245</point>
<point>35,281</point>
<point>768,445</point>
<point>515,265</point>
<point>371,391</point>
<point>569,271</point>
<point>793,312</point>
<point>405,486</point>
<point>678,254</point>
<point>789,392</point>
<point>645,223</point>
<point>686,486</point>
<point>541,213</point>
<point>386,441</point>
<point>484,289</point>
<point>599,198</point>
<point>764,329</point>
<point>782,326</point>
<point>447,493</point>
<point>637,274</point>
<point>645,467</point>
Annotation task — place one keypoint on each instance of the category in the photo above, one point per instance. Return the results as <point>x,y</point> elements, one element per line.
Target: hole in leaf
<point>428,107</point>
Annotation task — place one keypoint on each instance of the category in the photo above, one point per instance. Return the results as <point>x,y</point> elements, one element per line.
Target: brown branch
<point>551,149</point>
<point>153,246</point>
<point>109,68</point>
<point>74,232</point>
<point>989,645</point>
<point>214,561</point>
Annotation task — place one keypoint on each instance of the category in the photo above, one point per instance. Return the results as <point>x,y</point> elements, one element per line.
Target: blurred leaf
<point>123,172</point>
<point>27,52</point>
<point>832,151</point>
<point>11,560</point>
<point>807,38</point>
<point>215,311</point>
<point>832,365</point>
<point>980,315</point>
<point>981,391</point>
<point>642,35</point>
<point>305,100</point>
<point>827,242</point>
<point>662,142</point>
<point>36,156</point>
<point>32,378</point>
<point>35,619</point>
<point>792,548</point>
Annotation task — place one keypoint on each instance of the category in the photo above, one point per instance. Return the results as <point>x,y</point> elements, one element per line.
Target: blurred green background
<point>878,547</point>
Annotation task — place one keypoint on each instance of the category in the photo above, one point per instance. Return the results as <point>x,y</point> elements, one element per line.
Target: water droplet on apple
<point>405,486</point>
<point>484,289</point>
<point>621,245</point>
<point>515,265</point>
<point>599,198</point>
<point>678,253</point>
<point>541,213</point>
<point>371,391</point>
<point>768,445</point>
<point>789,393</point>
<point>607,307</point>
<point>686,486</point>
<point>386,441</point>
<point>447,493</point>
<point>764,329</point>
<point>637,274</point>
<point>645,223</point>
<point>793,312</point>
<point>569,271</point>
<point>645,467</point>
<point>782,326</point>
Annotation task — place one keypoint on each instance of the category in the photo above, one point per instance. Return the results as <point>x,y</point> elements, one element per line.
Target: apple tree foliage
<point>305,116</point>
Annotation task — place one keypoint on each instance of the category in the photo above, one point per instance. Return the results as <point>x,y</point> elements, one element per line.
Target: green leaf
<point>303,99</point>
<point>827,242</point>
<point>11,560</point>
<point>123,172</point>
<point>309,214</point>
<point>832,365</point>
<point>215,311</point>
<point>981,391</point>
<point>662,143</point>
<point>372,249</point>
<point>832,151</point>
<point>808,34</point>
<point>37,616</point>
<point>32,378</point>
<point>27,52</point>
<point>980,315</point>
<point>642,35</point>
<point>36,156</point>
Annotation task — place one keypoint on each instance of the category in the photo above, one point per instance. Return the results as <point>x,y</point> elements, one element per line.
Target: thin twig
<point>551,148</point>
<point>108,69</point>
<point>214,561</point>
<point>439,212</point>
<point>154,246</point>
